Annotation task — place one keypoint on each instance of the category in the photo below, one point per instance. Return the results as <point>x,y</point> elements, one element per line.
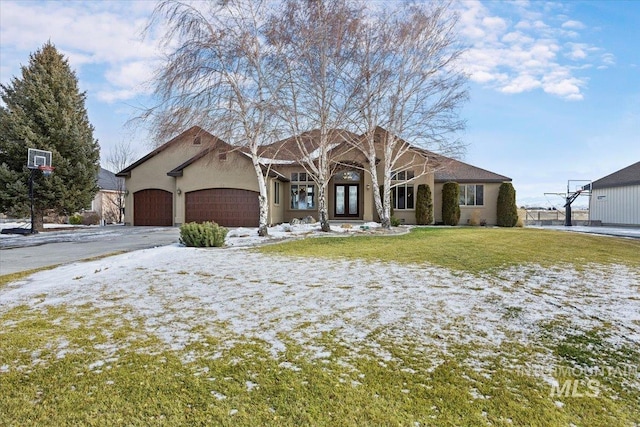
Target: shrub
<point>75,219</point>
<point>424,205</point>
<point>507,210</point>
<point>205,235</point>
<point>450,203</point>
<point>90,218</point>
<point>395,222</point>
<point>475,220</point>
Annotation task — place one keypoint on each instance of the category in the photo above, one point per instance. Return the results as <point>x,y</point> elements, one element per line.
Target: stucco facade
<point>481,214</point>
<point>197,164</point>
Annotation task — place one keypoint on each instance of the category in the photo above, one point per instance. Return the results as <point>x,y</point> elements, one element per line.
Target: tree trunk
<point>323,209</point>
<point>38,220</point>
<point>385,220</point>
<point>262,199</point>
<point>120,206</point>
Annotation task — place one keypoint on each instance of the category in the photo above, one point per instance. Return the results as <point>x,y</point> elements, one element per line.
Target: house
<point>615,199</point>
<point>198,177</point>
<point>479,190</point>
<point>108,202</point>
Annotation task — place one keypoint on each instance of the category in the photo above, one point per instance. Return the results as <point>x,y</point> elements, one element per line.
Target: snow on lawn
<point>249,236</point>
<point>236,236</point>
<point>236,292</point>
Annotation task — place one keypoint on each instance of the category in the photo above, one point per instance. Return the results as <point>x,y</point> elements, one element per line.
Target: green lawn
<point>472,249</point>
<point>69,364</point>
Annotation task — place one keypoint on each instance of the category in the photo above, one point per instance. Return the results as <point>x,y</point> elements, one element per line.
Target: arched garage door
<point>153,207</point>
<point>229,207</point>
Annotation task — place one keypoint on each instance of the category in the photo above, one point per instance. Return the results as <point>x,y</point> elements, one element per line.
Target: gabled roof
<point>178,171</point>
<point>289,149</point>
<point>196,130</point>
<point>107,180</point>
<point>288,152</point>
<point>457,171</point>
<point>627,176</point>
<point>218,144</point>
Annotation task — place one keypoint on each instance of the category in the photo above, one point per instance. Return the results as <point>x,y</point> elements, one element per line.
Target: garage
<point>153,207</point>
<point>229,207</point>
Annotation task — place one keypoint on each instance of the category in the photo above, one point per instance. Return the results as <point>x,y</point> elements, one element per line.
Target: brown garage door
<point>153,207</point>
<point>226,206</point>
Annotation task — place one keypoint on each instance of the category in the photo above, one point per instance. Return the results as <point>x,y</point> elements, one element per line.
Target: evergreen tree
<point>424,205</point>
<point>507,209</point>
<point>44,109</point>
<point>451,203</point>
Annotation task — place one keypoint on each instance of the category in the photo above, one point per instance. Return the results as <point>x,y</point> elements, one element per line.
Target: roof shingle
<point>457,171</point>
<point>627,176</point>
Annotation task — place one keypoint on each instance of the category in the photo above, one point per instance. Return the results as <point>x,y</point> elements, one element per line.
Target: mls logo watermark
<point>576,388</point>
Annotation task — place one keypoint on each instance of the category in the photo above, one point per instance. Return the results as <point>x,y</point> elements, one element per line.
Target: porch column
<point>367,197</point>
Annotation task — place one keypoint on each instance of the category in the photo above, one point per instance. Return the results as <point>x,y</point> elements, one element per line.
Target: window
<point>302,191</point>
<point>471,195</point>
<point>276,192</point>
<point>402,192</point>
<point>402,176</point>
<point>348,176</point>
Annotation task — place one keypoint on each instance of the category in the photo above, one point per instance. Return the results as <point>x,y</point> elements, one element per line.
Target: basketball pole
<point>32,171</point>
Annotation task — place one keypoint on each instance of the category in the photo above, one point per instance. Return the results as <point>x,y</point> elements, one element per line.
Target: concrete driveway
<point>21,253</point>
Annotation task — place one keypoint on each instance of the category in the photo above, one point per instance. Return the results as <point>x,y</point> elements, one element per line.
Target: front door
<point>346,200</point>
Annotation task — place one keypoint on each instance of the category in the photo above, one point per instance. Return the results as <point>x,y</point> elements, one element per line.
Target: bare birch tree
<point>410,87</point>
<point>218,76</point>
<point>121,156</point>
<point>316,41</point>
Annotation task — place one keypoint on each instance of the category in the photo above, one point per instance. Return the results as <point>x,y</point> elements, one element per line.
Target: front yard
<point>437,327</point>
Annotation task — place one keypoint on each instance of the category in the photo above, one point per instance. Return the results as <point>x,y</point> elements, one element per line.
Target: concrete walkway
<point>631,232</point>
<point>49,248</point>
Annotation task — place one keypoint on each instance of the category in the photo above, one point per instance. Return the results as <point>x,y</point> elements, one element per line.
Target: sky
<point>554,86</point>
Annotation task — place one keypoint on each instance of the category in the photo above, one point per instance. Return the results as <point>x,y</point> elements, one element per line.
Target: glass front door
<point>346,200</point>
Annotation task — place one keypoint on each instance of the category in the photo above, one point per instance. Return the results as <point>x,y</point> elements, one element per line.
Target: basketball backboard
<point>37,158</point>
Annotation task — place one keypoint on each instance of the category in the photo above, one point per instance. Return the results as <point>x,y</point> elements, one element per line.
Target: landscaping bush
<point>450,203</point>
<point>90,218</point>
<point>75,219</point>
<point>205,235</point>
<point>507,210</point>
<point>475,220</point>
<point>424,205</point>
<point>395,222</point>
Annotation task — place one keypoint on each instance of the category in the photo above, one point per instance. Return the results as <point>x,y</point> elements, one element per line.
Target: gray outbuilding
<point>615,199</point>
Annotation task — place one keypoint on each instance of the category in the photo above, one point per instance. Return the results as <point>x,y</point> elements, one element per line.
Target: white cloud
<point>578,51</point>
<point>516,38</point>
<point>574,25</point>
<point>608,59</point>
<point>522,83</point>
<point>526,46</point>
<point>105,34</point>
<point>494,23</point>
<point>568,88</point>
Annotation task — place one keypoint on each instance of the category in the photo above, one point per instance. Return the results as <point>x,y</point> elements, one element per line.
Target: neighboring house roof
<point>107,180</point>
<point>457,171</point>
<point>627,176</point>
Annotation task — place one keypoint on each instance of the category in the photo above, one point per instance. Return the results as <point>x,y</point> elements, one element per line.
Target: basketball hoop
<point>46,170</point>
